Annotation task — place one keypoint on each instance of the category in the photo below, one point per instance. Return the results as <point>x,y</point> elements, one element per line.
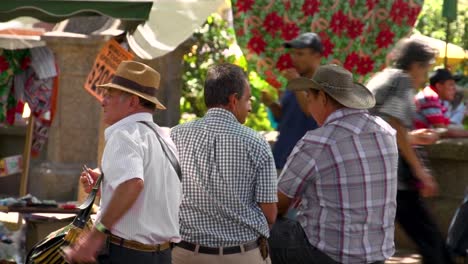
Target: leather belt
<point>131,244</point>
<point>218,250</point>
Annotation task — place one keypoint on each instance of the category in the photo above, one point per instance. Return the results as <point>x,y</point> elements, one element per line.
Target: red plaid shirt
<point>345,174</point>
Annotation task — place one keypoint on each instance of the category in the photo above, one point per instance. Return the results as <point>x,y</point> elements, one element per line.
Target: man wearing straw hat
<point>344,172</point>
<point>141,191</point>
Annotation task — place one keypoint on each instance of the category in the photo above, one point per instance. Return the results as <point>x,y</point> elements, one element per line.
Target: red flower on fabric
<point>351,60</point>
<point>385,38</point>
<point>4,65</point>
<point>310,7</point>
<point>352,2</point>
<point>365,65</point>
<point>284,62</point>
<point>25,63</point>
<point>338,22</point>
<point>371,4</point>
<point>272,23</point>
<point>399,11</point>
<point>355,28</point>
<point>289,31</point>
<point>272,80</point>
<point>327,47</point>
<point>413,15</point>
<point>287,5</point>
<point>244,5</point>
<point>256,44</point>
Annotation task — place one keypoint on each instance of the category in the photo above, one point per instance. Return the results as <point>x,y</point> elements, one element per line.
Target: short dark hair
<point>440,76</point>
<point>409,51</point>
<point>147,104</point>
<point>333,100</point>
<point>223,80</point>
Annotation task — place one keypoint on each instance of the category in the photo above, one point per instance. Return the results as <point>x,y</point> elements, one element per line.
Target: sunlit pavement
<point>405,257</point>
<point>410,257</point>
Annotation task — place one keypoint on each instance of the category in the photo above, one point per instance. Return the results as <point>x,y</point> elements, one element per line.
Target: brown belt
<point>216,251</point>
<point>137,245</point>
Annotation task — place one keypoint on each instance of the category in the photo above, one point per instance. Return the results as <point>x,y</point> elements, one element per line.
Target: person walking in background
<point>345,173</point>
<point>306,53</point>
<point>394,90</point>
<point>141,191</point>
<point>432,104</point>
<point>229,178</point>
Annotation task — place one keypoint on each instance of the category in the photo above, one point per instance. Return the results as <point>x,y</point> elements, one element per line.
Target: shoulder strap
<point>167,151</point>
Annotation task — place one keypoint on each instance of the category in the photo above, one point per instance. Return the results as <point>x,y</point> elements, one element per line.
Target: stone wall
<point>448,160</point>
<point>74,134</point>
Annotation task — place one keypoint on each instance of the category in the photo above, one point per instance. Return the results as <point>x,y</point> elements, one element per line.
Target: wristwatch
<point>102,228</point>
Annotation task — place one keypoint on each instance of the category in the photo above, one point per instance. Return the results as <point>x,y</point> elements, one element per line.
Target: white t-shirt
<point>133,151</point>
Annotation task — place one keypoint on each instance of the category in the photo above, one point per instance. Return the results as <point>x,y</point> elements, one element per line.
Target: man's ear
<point>323,97</point>
<point>232,100</point>
<point>134,100</point>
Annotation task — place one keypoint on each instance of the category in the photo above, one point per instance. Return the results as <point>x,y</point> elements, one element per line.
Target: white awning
<point>169,24</point>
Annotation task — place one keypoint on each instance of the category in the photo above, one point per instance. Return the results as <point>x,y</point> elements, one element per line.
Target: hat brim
<point>357,97</point>
<point>295,44</point>
<point>152,99</point>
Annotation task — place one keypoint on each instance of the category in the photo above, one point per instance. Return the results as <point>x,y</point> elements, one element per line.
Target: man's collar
<point>342,112</point>
<point>220,112</point>
<point>129,119</point>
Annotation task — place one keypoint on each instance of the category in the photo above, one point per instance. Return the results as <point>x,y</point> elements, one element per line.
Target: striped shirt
<point>133,151</point>
<point>394,92</point>
<point>430,110</point>
<point>227,170</point>
<point>345,174</point>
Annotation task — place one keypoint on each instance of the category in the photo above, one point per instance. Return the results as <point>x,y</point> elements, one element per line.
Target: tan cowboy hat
<point>338,83</point>
<point>136,78</point>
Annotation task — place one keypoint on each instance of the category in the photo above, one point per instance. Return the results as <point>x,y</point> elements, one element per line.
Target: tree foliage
<point>431,23</point>
<point>215,43</point>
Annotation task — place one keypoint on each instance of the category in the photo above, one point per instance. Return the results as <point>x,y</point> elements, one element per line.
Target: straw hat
<point>338,83</point>
<point>138,79</point>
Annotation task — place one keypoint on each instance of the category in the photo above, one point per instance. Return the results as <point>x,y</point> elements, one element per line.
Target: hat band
<point>133,85</point>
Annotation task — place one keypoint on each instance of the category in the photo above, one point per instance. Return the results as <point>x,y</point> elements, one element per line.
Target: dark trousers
<point>414,217</point>
<point>289,245</point>
<point>116,254</point>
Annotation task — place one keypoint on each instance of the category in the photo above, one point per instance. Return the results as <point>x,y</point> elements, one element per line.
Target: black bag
<point>457,237</point>
<point>49,249</point>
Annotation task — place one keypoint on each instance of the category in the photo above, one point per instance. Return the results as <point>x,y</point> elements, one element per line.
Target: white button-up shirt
<point>133,151</point>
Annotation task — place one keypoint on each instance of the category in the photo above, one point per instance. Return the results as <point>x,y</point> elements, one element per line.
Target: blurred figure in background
<point>394,90</point>
<point>293,123</point>
<point>434,101</point>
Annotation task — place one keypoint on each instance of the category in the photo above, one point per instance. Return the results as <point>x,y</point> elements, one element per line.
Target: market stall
<point>43,87</point>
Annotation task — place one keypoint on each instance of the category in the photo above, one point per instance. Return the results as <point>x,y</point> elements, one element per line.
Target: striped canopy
<point>53,11</point>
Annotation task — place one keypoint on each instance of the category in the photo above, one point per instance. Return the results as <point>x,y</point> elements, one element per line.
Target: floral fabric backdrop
<point>357,34</point>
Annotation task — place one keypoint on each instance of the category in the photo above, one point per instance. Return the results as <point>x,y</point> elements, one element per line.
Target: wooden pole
<point>27,156</point>
<point>446,43</point>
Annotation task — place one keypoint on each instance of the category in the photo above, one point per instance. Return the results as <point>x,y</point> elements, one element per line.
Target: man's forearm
<point>406,150</point>
<point>270,212</point>
<point>122,200</point>
<point>276,110</point>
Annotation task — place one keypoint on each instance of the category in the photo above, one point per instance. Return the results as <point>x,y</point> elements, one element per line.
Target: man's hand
<point>266,98</point>
<point>290,74</point>
<point>423,136</point>
<point>86,248</point>
<point>88,178</point>
<point>429,186</point>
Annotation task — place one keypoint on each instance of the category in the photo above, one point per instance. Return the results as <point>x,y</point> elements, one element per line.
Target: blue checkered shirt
<point>227,169</point>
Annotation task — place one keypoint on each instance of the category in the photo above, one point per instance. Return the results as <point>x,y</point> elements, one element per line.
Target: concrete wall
<point>448,159</point>
<point>74,134</point>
